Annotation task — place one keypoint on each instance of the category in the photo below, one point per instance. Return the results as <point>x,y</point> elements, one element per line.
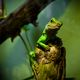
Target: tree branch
<point>12,24</point>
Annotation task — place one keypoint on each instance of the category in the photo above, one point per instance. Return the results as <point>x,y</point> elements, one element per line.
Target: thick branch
<point>11,25</point>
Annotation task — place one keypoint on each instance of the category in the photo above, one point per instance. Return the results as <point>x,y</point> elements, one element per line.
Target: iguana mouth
<point>54,26</point>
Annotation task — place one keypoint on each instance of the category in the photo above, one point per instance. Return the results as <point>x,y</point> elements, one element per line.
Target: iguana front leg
<point>46,47</point>
<point>42,42</point>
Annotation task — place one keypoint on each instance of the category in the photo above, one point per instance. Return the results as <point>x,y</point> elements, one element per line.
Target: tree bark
<point>50,64</point>
<point>11,25</point>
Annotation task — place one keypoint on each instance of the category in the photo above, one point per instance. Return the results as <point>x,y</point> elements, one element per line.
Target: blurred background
<point>14,64</point>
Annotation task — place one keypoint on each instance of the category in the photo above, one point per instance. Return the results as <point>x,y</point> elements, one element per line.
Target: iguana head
<point>52,27</point>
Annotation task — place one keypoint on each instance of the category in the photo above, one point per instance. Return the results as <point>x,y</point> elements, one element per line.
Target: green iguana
<point>48,33</point>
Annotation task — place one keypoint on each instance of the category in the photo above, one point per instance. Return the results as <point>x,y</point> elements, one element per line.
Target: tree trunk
<point>50,64</point>
<point>28,12</point>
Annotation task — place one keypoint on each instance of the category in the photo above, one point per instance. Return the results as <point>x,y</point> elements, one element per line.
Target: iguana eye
<point>51,20</point>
